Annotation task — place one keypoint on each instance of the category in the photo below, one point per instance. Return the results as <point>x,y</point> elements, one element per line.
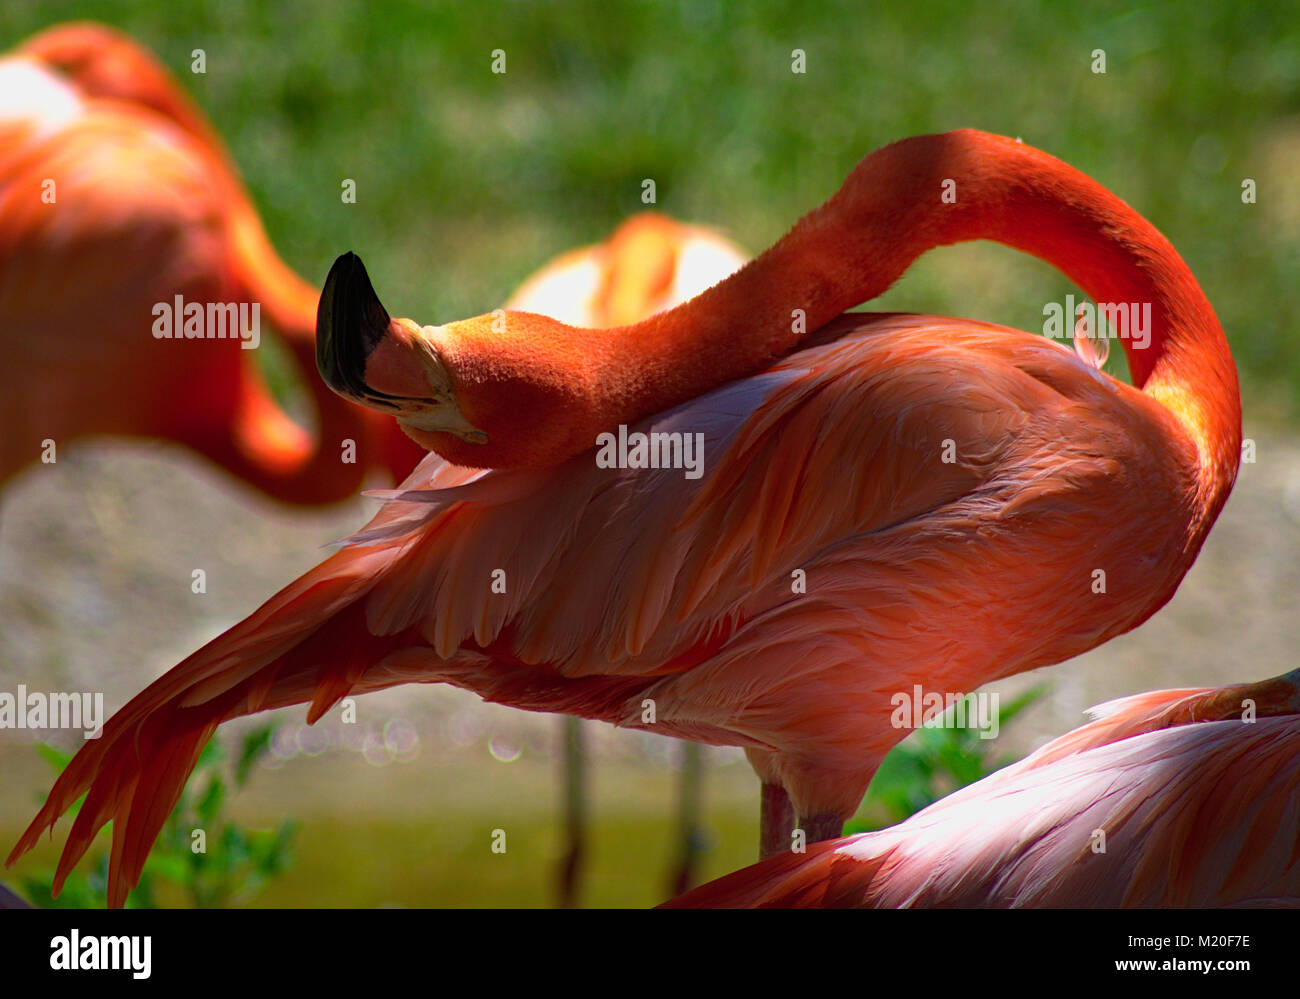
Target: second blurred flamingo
<point>117,196</point>
<point>649,264</point>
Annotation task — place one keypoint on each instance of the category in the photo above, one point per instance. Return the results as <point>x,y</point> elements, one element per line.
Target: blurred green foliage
<point>233,866</point>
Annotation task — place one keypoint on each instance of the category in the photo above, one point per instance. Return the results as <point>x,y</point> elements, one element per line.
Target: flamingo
<point>825,557</point>
<point>1171,798</point>
<point>650,263</point>
<point>116,195</point>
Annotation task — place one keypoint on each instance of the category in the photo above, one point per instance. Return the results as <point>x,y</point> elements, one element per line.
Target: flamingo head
<point>483,392</point>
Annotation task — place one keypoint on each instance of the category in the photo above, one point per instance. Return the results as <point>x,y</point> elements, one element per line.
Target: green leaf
<point>168,866</point>
<point>54,757</point>
<point>257,744</point>
<point>210,804</point>
<point>212,754</point>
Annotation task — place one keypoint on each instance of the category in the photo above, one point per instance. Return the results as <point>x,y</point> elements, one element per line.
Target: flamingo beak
<point>356,337</point>
<point>350,323</point>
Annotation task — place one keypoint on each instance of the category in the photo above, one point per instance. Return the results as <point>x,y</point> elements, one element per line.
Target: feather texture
<point>1172,800</point>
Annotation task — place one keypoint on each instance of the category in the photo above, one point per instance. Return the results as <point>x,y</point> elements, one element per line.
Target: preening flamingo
<point>117,196</point>
<point>826,557</point>
<point>649,264</point>
<point>1172,798</point>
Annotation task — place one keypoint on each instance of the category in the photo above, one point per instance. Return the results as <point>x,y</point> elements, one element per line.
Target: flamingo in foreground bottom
<point>648,264</point>
<point>1173,798</point>
<point>867,503</point>
<point>116,198</point>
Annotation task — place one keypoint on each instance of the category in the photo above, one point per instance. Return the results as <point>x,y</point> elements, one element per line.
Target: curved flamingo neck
<point>263,446</point>
<point>260,443</point>
<point>286,299</point>
<point>890,210</point>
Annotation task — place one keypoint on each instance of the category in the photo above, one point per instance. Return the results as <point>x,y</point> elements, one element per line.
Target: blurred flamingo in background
<point>1173,798</point>
<point>116,196</point>
<point>649,264</point>
<point>883,501</point>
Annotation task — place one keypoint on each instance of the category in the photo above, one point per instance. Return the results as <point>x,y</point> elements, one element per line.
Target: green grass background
<point>467,181</point>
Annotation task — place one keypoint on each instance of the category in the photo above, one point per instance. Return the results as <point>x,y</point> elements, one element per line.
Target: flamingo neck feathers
<point>936,190</point>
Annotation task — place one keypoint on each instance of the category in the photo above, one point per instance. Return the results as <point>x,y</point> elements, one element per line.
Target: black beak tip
<point>350,322</point>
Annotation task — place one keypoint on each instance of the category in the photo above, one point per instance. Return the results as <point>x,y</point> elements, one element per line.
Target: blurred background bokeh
<point>468,180</point>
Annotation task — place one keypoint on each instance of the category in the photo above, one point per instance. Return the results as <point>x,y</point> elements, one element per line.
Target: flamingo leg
<point>689,834</point>
<point>776,821</point>
<point>575,813</point>
<point>819,827</point>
